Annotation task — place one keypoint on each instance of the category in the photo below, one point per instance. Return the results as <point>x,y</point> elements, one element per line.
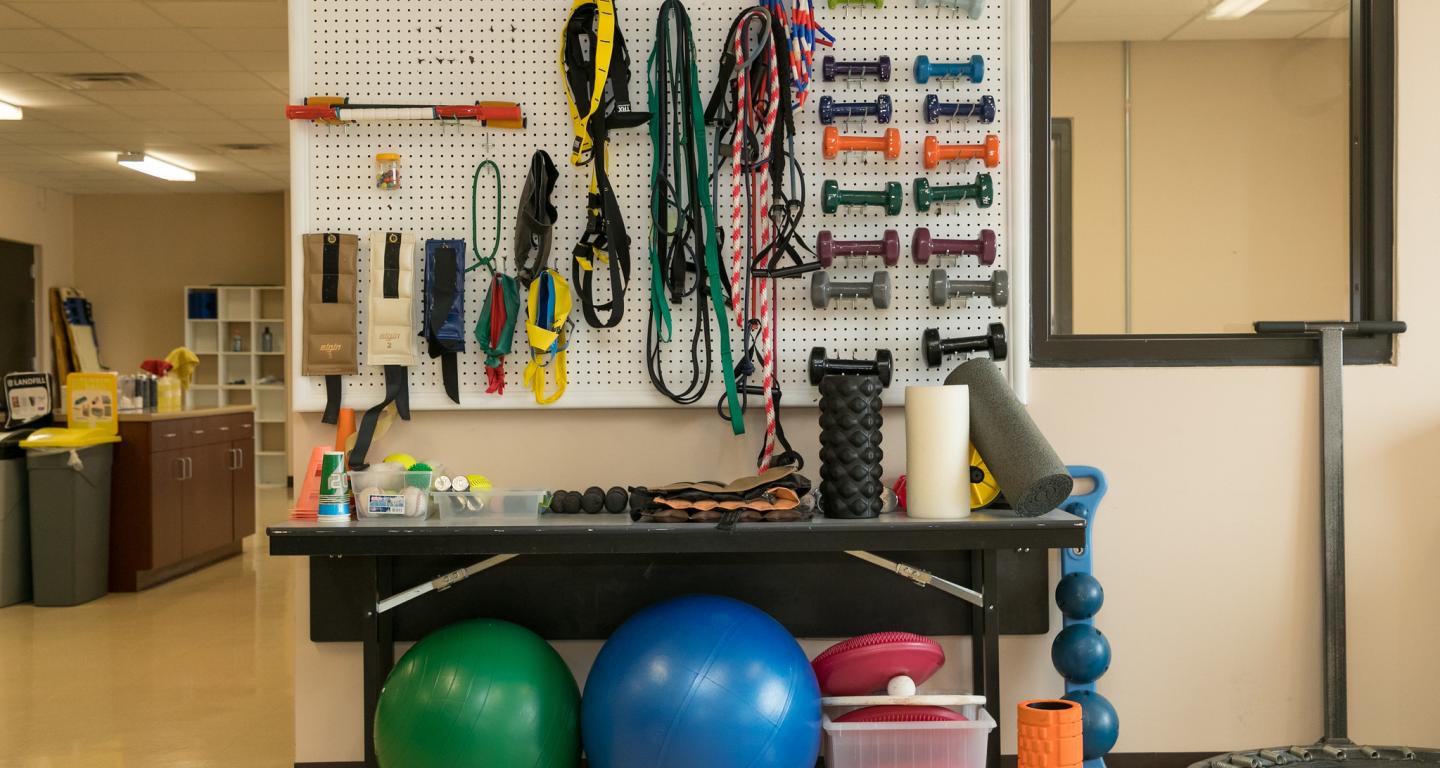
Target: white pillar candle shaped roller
<point>937,452</point>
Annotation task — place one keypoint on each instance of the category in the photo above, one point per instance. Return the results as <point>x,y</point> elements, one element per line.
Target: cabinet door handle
<point>224,429</point>
<point>239,458</point>
<point>189,468</point>
<point>171,435</point>
<point>179,468</point>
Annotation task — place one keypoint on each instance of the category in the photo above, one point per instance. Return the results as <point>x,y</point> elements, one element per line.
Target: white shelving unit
<point>237,369</point>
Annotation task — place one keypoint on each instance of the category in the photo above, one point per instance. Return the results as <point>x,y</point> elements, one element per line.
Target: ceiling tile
<point>265,96</point>
<point>1072,28</point>
<point>143,40</point>
<point>11,19</point>
<point>263,39</point>
<point>1335,27</point>
<point>248,111</point>
<point>14,81</point>
<point>58,139</point>
<point>215,138</point>
<point>161,112</point>
<point>189,81</point>
<point>261,61</point>
<point>60,62</point>
<point>139,98</point>
<point>92,15</point>
<point>55,98</point>
<point>36,41</point>
<point>227,15</point>
<point>280,79</point>
<point>1256,26</point>
<point>188,62</point>
<point>1138,7</point>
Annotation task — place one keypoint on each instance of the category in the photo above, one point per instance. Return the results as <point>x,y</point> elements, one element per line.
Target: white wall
<point>43,218</point>
<point>1207,546</point>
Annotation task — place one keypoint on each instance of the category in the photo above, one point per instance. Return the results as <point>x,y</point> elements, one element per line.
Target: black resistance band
<point>330,294</point>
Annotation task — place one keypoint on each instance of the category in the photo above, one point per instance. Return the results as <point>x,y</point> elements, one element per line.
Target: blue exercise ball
<point>1081,653</point>
<point>1079,596</point>
<point>1102,725</point>
<point>701,682</point>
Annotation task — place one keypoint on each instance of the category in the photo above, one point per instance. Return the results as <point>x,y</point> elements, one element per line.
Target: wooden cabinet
<point>182,495</point>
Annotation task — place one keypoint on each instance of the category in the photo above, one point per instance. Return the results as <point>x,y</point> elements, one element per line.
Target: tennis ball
<point>479,482</point>
<point>403,459</point>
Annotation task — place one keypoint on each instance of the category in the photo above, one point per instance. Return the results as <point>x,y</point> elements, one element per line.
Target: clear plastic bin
<point>513,504</point>
<point>390,493</point>
<point>958,744</point>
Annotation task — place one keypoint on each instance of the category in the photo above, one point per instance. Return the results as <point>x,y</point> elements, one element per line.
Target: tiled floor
<point>196,673</point>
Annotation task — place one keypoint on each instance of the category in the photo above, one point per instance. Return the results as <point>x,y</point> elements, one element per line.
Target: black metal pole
<point>379,647</point>
<point>1332,544</point>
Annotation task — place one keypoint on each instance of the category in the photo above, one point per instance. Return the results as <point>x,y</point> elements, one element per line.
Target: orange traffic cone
<point>307,502</point>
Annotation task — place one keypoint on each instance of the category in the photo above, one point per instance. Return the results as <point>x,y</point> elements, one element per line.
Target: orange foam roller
<point>937,153</point>
<point>835,143</point>
<point>1050,734</point>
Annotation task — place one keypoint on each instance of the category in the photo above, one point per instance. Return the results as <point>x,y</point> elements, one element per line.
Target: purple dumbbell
<point>923,246</point>
<point>984,109</point>
<point>882,109</point>
<point>831,69</point>
<point>887,248</point>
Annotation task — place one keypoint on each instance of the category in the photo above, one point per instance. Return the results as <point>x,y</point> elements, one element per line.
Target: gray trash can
<point>70,524</point>
<point>14,521</point>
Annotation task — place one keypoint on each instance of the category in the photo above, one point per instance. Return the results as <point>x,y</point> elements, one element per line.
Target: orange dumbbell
<point>834,143</point>
<point>936,153</point>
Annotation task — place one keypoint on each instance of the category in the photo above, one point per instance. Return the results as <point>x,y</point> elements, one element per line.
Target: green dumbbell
<point>982,192</point>
<point>837,3</point>
<point>891,198</point>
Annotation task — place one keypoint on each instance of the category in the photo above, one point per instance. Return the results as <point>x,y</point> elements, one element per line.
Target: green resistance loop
<point>487,262</point>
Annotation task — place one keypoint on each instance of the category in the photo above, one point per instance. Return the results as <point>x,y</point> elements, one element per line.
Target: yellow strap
<point>542,338</point>
<point>604,49</point>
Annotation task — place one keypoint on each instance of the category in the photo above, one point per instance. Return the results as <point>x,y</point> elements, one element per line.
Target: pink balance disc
<point>864,665</point>
<point>892,713</point>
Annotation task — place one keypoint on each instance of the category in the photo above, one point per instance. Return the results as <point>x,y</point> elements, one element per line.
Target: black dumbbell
<point>823,289</point>
<point>565,502</point>
<point>821,366</point>
<point>935,348</point>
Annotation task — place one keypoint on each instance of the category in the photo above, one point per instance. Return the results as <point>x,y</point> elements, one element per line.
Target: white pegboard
<point>458,51</point>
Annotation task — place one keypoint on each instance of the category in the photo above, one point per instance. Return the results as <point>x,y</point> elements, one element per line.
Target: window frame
<point>1372,227</point>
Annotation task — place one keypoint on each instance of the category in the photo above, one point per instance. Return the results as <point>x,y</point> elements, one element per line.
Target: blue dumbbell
<point>984,109</point>
<point>855,70</point>
<point>973,69</point>
<point>881,109</point>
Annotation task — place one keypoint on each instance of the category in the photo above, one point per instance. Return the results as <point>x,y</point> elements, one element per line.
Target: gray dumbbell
<point>821,366</point>
<point>823,289</point>
<point>943,289</point>
<point>972,8</point>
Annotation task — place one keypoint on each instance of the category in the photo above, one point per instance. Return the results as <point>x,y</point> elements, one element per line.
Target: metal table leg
<point>985,642</point>
<point>379,646</point>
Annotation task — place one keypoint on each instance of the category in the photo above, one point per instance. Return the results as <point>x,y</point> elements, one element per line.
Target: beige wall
<point>134,254</point>
<point>1207,545</point>
<point>1240,182</point>
<point>43,218</point>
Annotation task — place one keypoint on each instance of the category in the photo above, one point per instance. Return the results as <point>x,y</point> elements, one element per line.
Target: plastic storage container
<point>389,493</point>
<point>511,504</point>
<point>70,524</point>
<point>387,171</point>
<point>14,521</point>
<point>958,744</point>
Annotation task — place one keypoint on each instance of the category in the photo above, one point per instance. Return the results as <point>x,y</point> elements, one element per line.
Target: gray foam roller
<point>1025,465</point>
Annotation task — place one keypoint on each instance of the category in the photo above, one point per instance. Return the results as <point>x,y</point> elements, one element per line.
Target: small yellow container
<point>387,171</point>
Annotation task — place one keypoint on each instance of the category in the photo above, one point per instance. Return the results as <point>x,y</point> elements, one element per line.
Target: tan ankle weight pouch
<point>328,345</point>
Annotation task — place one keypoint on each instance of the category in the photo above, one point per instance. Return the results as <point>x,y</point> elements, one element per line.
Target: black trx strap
<point>396,391</point>
<point>444,329</point>
<point>596,65</point>
<point>330,294</point>
<point>535,219</point>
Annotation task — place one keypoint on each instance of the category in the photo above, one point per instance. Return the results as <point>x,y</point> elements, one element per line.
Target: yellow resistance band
<point>548,336</point>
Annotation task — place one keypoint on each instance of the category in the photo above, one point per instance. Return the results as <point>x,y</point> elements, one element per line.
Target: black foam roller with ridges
<point>1024,464</point>
<point>850,453</point>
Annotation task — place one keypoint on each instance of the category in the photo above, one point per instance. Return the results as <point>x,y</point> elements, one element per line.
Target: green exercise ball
<point>479,693</point>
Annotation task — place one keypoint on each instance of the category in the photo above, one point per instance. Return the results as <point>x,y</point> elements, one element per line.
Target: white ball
<point>901,685</point>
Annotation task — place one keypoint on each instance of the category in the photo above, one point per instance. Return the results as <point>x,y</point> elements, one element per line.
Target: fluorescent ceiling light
<point>1228,10</point>
<point>11,112</point>
<point>136,161</point>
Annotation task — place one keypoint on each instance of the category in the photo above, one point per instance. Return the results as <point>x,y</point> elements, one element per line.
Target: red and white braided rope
<point>767,287</point>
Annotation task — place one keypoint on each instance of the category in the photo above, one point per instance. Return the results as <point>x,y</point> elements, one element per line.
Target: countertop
<point>194,413</point>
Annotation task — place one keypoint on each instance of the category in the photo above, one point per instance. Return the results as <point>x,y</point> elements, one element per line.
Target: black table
<point>379,543</point>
